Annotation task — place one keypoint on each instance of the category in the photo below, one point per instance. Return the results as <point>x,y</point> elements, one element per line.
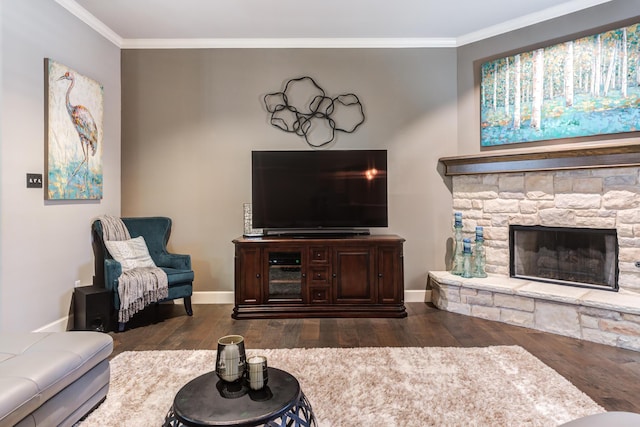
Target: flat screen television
<point>321,191</point>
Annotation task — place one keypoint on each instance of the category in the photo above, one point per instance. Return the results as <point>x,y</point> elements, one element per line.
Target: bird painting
<point>85,126</point>
<point>74,135</point>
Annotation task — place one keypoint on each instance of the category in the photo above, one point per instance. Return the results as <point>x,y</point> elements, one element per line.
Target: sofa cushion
<point>36,366</point>
<point>16,393</point>
<point>74,402</point>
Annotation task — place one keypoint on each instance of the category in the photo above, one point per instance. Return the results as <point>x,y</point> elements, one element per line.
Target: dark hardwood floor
<point>609,375</point>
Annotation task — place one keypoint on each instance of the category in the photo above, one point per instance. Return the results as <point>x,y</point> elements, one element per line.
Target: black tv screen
<point>319,189</point>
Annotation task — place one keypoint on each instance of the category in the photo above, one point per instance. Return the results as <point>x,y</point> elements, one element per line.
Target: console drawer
<point>320,294</point>
<point>319,275</point>
<point>319,255</point>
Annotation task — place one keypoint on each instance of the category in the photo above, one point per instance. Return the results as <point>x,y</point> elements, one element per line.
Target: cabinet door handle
<point>379,274</point>
<point>334,275</point>
<point>258,276</point>
<point>319,275</point>
<point>304,275</point>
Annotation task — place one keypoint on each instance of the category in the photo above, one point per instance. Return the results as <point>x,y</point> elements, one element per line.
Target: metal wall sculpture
<point>304,108</point>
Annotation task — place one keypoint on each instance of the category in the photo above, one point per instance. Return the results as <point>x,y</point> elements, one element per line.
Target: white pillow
<point>130,253</point>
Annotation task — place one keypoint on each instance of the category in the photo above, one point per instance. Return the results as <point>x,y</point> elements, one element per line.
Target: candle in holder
<point>466,246</point>
<point>230,360</point>
<point>231,356</point>
<point>257,372</point>
<point>466,258</point>
<point>458,219</point>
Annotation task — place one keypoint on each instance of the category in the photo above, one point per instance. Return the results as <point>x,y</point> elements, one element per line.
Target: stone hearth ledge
<point>611,318</point>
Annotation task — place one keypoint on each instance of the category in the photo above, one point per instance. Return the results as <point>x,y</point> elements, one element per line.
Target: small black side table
<point>208,401</point>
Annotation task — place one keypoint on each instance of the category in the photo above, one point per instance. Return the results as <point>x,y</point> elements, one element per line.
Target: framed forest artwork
<point>74,111</point>
<point>579,88</point>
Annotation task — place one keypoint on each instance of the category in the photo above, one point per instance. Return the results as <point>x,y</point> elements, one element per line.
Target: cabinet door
<point>390,275</point>
<point>353,275</point>
<point>248,265</point>
<point>285,278</point>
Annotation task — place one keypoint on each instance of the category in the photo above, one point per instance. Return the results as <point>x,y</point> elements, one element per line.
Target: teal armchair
<point>156,232</point>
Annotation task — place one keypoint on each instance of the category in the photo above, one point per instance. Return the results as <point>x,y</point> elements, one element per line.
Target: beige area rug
<point>489,386</point>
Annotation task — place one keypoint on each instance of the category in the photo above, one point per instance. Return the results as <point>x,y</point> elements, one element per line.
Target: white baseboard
<point>59,325</point>
<point>417,296</point>
<point>211,297</point>
<point>222,297</point>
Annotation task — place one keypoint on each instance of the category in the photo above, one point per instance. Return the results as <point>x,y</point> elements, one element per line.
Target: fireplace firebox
<point>584,257</point>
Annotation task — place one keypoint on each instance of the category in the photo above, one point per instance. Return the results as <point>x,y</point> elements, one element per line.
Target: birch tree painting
<point>584,87</point>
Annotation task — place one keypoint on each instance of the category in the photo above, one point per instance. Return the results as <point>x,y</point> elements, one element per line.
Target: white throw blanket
<point>137,287</point>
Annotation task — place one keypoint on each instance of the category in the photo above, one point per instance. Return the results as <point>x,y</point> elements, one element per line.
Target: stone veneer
<point>593,198</point>
<point>605,317</point>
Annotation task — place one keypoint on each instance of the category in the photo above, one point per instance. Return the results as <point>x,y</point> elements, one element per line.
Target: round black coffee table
<point>208,401</point>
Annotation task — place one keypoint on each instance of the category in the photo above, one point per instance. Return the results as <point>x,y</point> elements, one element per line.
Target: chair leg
<point>187,306</point>
<point>121,326</point>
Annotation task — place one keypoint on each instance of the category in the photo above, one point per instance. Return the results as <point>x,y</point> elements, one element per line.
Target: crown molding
<point>528,20</point>
<point>322,43</point>
<point>93,22</point>
<point>288,43</point>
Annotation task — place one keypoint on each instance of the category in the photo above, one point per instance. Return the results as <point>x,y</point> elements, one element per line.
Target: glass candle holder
<point>456,264</point>
<point>258,373</point>
<point>466,259</point>
<point>231,358</point>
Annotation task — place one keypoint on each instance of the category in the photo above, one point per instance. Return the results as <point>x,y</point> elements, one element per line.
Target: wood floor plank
<point>609,375</point>
<point>347,333</point>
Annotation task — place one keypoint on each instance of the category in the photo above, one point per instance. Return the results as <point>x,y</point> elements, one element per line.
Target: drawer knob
<point>258,276</point>
<point>379,274</point>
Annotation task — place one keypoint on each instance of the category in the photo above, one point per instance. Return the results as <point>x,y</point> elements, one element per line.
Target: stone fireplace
<point>580,189</point>
<point>583,257</point>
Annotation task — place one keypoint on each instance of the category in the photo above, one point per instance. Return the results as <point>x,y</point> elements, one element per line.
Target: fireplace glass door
<point>585,257</point>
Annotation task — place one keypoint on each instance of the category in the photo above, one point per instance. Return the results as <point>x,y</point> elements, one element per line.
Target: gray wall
<point>191,118</point>
<point>46,246</point>
<point>189,121</point>
<point>536,35</point>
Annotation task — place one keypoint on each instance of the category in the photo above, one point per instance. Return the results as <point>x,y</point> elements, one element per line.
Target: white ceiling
<point>192,23</point>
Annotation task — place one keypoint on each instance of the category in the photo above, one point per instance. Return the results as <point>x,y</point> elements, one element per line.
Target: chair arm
<point>177,261</point>
<point>112,271</point>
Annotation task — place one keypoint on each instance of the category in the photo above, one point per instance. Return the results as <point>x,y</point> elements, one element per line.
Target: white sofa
<point>52,379</point>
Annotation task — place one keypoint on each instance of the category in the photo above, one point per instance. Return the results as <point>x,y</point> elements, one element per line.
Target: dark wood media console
<point>352,276</point>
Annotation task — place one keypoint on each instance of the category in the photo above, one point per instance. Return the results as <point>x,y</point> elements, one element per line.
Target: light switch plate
<point>34,180</point>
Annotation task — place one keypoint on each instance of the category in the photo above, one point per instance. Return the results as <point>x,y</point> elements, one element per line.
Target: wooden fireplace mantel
<point>545,159</point>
